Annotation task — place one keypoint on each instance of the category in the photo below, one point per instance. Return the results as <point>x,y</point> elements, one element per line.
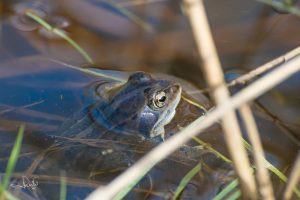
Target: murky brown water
<point>44,94</point>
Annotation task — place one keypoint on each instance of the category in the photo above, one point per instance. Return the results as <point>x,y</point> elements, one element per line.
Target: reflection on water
<point>46,95</point>
<point>19,19</point>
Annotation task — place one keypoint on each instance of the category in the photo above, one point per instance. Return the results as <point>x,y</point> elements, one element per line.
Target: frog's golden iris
<point>160,99</point>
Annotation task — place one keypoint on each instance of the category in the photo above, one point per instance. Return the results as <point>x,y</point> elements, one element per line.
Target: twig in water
<point>277,121</point>
<point>25,106</point>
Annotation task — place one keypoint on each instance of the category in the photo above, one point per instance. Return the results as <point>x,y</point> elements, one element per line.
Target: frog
<point>142,105</point>
<point>100,136</point>
<point>136,110</point>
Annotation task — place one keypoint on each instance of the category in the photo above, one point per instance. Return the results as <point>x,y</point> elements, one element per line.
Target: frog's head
<point>143,105</point>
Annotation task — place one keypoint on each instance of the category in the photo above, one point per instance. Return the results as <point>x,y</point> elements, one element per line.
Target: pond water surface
<point>48,96</point>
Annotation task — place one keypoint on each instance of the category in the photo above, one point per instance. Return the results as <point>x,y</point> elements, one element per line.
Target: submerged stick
<point>139,169</point>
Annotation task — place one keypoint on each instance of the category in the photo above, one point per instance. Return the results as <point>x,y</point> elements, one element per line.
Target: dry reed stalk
<point>265,67</point>
<point>243,79</point>
<point>293,179</point>
<point>262,175</point>
<point>140,168</point>
<point>215,78</point>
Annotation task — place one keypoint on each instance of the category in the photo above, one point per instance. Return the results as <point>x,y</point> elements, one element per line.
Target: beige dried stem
<point>263,179</point>
<point>249,76</point>
<point>265,67</point>
<point>140,168</point>
<point>215,78</point>
<point>294,178</point>
<point>262,175</point>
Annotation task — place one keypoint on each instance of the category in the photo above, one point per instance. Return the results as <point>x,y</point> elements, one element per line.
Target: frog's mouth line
<point>166,116</point>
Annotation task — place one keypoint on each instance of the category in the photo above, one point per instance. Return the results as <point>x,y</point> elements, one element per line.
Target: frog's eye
<point>160,99</point>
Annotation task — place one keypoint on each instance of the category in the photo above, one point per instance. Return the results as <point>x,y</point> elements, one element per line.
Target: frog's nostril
<point>175,88</point>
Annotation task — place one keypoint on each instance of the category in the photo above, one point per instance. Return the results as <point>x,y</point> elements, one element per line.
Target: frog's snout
<point>175,89</point>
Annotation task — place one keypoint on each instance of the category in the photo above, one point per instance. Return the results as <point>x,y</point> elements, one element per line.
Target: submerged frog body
<point>140,106</point>
<point>114,119</point>
<point>143,105</point>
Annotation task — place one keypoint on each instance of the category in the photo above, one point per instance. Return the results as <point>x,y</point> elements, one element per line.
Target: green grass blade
<point>63,187</point>
<point>228,189</point>
<point>88,71</point>
<point>235,195</point>
<point>73,43</point>
<point>207,146</point>
<point>8,196</point>
<point>185,180</point>
<point>131,16</point>
<point>60,33</point>
<point>286,7</point>
<point>270,167</point>
<point>194,103</point>
<point>13,158</point>
<point>39,20</point>
<point>273,169</point>
<point>126,190</point>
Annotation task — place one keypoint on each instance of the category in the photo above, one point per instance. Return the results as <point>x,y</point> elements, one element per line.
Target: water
<point>44,94</point>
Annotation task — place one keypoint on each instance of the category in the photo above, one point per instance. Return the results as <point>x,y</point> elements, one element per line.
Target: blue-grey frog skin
<point>143,105</point>
<point>118,115</point>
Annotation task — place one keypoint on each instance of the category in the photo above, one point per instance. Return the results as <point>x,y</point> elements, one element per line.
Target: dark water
<point>44,95</point>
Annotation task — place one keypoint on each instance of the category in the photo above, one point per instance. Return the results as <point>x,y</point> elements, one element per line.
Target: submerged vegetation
<point>249,175</point>
<point>11,165</point>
